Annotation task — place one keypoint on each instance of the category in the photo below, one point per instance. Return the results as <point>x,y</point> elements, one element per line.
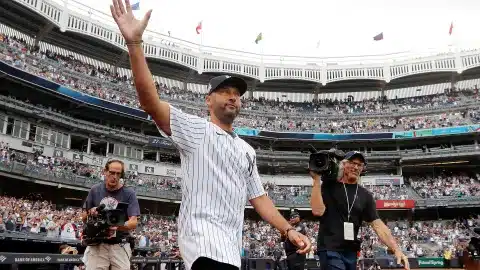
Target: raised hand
<point>131,28</point>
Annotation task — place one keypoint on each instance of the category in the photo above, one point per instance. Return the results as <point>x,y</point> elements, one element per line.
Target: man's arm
<point>133,212</point>
<point>370,215</point>
<point>265,207</point>
<point>385,235</point>
<point>186,131</point>
<point>267,210</point>
<point>316,200</point>
<point>147,93</point>
<point>261,202</point>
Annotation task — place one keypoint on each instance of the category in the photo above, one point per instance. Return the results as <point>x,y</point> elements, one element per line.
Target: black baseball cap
<point>227,80</point>
<point>294,214</point>
<point>356,154</point>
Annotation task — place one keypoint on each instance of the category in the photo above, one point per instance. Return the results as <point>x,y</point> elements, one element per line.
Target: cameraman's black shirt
<point>330,233</point>
<point>100,195</point>
<point>289,247</point>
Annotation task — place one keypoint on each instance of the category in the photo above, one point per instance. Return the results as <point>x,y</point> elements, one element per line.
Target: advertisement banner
<point>450,130</point>
<point>430,262</point>
<point>133,167</point>
<point>395,204</point>
<point>403,134</point>
<point>381,181</point>
<point>171,172</point>
<point>423,133</point>
<point>396,181</point>
<point>246,131</point>
<point>160,142</point>
<point>77,157</point>
<point>97,161</point>
<point>57,153</point>
<point>325,136</point>
<point>28,258</point>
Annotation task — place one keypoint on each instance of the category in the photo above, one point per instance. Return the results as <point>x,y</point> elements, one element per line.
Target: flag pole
<point>201,41</point>
<point>451,39</point>
<point>261,53</point>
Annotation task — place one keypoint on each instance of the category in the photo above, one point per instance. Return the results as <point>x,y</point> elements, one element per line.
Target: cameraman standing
<point>295,261</point>
<point>342,205</point>
<point>113,253</point>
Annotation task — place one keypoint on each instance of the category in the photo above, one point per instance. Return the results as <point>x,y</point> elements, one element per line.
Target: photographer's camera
<point>97,227</point>
<point>326,163</point>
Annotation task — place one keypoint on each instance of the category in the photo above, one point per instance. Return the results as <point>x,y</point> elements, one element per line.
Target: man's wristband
<point>287,230</point>
<point>130,43</point>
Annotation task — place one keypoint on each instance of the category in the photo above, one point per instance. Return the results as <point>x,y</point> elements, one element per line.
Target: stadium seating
<point>100,82</point>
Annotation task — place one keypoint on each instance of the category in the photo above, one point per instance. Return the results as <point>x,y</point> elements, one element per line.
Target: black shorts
<point>296,261</point>
<point>204,263</point>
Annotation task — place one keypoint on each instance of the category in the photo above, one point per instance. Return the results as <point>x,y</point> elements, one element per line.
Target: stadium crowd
<point>31,215</point>
<point>459,185</point>
<point>102,83</point>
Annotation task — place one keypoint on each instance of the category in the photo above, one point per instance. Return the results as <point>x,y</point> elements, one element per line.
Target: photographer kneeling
<point>108,245</point>
<point>342,205</point>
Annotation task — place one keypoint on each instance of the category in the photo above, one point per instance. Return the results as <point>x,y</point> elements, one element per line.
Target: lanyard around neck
<point>349,208</point>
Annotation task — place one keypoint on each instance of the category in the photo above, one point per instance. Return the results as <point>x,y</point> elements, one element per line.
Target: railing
<point>66,177</point>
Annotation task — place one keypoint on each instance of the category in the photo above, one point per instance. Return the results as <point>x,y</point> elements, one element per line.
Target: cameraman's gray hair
<point>340,169</point>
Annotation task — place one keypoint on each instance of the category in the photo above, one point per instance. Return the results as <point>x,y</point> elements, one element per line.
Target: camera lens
<point>113,219</point>
<point>321,162</point>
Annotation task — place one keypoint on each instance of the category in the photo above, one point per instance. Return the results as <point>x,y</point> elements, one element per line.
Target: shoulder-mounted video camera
<point>97,228</point>
<point>325,162</point>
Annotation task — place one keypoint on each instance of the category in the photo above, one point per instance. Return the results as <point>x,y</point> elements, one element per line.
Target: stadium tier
<point>448,108</point>
<point>68,104</point>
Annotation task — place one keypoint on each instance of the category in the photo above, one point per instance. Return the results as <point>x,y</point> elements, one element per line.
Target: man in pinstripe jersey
<point>219,168</point>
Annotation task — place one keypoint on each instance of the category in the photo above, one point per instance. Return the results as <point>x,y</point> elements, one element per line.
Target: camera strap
<point>349,208</point>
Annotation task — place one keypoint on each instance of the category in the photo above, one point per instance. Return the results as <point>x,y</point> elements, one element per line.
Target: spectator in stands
<point>3,227</point>
<point>53,229</point>
<point>68,250</point>
<point>10,223</point>
<point>68,230</point>
<point>447,257</point>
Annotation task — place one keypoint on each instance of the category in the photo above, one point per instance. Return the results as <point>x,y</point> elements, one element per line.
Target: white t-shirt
<point>68,230</point>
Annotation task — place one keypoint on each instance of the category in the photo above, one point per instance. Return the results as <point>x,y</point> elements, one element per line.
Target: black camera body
<point>97,228</point>
<point>326,163</point>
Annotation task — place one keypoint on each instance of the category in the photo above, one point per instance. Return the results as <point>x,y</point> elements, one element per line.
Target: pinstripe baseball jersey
<point>219,176</point>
